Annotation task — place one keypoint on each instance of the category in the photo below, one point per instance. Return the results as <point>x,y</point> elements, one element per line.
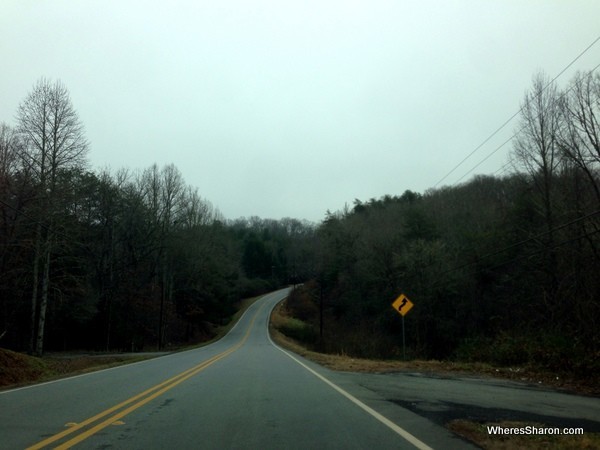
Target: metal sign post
<point>403,305</point>
<point>403,341</point>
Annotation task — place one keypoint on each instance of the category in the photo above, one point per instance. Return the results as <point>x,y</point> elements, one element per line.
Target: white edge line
<point>59,380</point>
<point>387,422</point>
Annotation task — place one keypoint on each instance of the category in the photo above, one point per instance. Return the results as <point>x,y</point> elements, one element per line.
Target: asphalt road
<point>243,392</point>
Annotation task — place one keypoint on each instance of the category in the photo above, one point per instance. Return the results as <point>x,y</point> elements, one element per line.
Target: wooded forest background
<point>502,268</point>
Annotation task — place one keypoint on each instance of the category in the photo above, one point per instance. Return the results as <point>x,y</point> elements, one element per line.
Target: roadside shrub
<point>502,350</point>
<point>474,349</point>
<point>549,350</point>
<point>298,330</point>
<point>300,303</point>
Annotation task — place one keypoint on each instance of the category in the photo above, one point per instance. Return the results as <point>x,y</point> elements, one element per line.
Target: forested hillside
<point>500,268</point>
<point>121,260</point>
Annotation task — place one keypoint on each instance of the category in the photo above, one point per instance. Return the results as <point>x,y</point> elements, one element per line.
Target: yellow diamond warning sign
<point>402,304</point>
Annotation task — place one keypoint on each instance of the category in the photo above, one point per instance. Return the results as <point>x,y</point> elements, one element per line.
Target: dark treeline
<point>124,260</point>
<point>502,268</point>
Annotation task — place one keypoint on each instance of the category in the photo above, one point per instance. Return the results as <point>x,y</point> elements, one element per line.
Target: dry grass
<point>17,369</point>
<point>346,363</point>
<point>472,431</point>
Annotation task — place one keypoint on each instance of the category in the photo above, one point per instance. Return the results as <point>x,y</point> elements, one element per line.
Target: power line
<point>502,170</point>
<point>479,146</point>
<point>513,116</point>
<point>486,158</point>
<point>519,131</point>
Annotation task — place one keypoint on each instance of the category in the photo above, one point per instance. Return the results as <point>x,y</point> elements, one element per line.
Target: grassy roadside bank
<point>18,369</point>
<point>282,325</point>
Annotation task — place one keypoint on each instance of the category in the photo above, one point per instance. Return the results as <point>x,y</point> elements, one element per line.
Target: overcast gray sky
<point>290,108</point>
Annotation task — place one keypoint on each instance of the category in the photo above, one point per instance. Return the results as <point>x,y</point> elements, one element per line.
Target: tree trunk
<point>34,289</point>
<point>39,346</point>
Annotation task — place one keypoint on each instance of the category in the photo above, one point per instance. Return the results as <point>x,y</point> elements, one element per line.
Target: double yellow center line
<point>119,411</point>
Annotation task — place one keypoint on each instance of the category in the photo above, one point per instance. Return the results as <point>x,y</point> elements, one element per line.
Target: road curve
<point>242,392</point>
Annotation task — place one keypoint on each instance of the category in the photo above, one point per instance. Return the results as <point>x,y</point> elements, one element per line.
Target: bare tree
<point>580,134</point>
<point>196,211</point>
<point>9,205</point>
<point>9,152</point>
<point>163,191</point>
<point>536,149</point>
<point>536,146</point>
<point>54,141</point>
<point>172,191</point>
